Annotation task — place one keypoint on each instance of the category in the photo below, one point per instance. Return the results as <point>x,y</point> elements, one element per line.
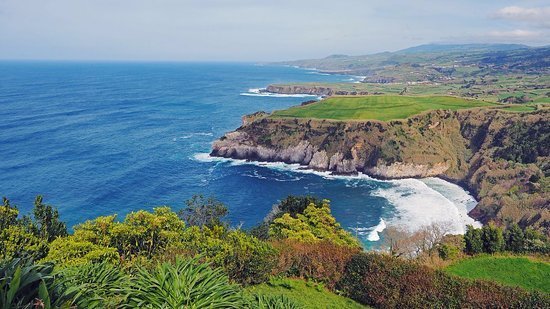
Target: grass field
<point>305,294</point>
<point>520,108</point>
<point>380,107</point>
<point>514,271</point>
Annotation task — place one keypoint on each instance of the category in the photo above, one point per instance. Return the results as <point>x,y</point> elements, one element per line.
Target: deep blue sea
<point>104,138</point>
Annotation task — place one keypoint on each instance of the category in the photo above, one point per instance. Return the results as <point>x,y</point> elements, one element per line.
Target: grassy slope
<point>514,271</point>
<point>377,107</point>
<point>307,295</point>
<point>489,88</point>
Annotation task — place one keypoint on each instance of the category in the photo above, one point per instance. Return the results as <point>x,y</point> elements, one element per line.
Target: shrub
<point>385,281</point>
<point>245,258</point>
<point>322,261</point>
<point>314,224</point>
<point>514,238</point>
<point>448,251</point>
<point>17,242</point>
<point>46,222</point>
<point>473,240</point>
<point>26,236</point>
<point>493,240</point>
<point>535,242</point>
<point>201,211</point>
<point>141,233</point>
<point>69,251</point>
<point>184,284</point>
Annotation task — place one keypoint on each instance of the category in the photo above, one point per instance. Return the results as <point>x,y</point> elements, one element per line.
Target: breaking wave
<point>413,203</point>
<point>260,92</point>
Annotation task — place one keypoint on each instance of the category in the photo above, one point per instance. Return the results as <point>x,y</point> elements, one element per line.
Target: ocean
<point>100,138</point>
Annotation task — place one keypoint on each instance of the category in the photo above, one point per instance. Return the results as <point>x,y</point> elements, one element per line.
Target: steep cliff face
<point>502,157</point>
<point>313,90</point>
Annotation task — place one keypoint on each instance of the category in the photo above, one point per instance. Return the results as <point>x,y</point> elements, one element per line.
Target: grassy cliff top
<point>512,270</point>
<point>382,107</point>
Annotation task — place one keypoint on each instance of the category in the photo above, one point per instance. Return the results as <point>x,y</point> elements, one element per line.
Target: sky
<point>257,30</point>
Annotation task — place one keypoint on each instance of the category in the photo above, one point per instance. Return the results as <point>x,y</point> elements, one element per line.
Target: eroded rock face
<point>313,90</point>
<point>332,146</point>
<point>319,161</point>
<point>407,170</point>
<point>489,151</point>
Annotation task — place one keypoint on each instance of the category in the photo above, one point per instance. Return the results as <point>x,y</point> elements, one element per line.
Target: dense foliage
<point>153,259</point>
<point>28,236</point>
<point>493,239</point>
<point>389,282</point>
<point>314,223</point>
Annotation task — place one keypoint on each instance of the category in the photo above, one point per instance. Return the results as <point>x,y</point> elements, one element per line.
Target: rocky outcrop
<point>502,157</point>
<point>407,170</point>
<point>312,90</point>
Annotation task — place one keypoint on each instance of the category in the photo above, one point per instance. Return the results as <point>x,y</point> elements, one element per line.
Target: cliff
<point>501,157</point>
<point>312,89</point>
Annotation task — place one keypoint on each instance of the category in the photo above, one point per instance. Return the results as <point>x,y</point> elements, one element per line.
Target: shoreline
<point>421,213</point>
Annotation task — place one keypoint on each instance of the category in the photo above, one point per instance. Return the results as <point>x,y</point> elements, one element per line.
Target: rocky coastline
<point>467,147</point>
<point>311,90</point>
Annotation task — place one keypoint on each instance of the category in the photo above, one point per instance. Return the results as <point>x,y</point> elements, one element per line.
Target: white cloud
<point>539,16</point>
<point>515,35</point>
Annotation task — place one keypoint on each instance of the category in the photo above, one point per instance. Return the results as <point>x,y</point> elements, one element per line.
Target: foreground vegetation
<point>307,294</point>
<point>510,270</point>
<point>193,259</point>
<point>384,108</point>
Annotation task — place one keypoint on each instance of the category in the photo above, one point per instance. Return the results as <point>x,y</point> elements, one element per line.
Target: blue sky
<point>256,30</point>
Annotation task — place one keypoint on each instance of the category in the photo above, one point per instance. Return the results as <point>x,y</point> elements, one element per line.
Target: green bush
<point>448,251</point>
<point>473,240</point>
<point>245,258</point>
<point>28,237</point>
<point>142,233</point>
<point>201,211</point>
<point>313,224</point>
<point>389,282</point>
<point>514,238</point>
<point>69,251</point>
<point>493,240</point>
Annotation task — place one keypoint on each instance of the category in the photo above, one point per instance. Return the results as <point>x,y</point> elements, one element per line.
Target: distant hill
<point>431,48</point>
<point>437,62</point>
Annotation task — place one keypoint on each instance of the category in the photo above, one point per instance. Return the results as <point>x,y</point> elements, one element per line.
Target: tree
<point>8,214</point>
<point>515,238</point>
<point>294,205</point>
<point>493,240</point>
<point>201,211</point>
<point>314,224</point>
<point>46,221</point>
<point>141,233</point>
<point>473,240</point>
<point>535,241</point>
<point>414,244</point>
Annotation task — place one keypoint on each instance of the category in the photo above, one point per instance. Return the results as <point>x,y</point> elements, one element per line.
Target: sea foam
<point>374,233</point>
<point>416,202</point>
<point>260,92</point>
